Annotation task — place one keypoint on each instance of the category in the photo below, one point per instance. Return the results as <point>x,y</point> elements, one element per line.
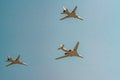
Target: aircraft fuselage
<point>14,61</point>
<point>72,53</point>
<point>72,15</point>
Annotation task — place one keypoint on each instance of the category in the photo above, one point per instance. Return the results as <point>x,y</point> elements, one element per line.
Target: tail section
<point>64,8</point>
<point>8,59</point>
<point>61,46</point>
<point>65,11</point>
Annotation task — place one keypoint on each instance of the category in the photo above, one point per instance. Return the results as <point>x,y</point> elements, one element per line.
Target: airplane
<point>16,61</point>
<point>69,53</point>
<point>70,14</point>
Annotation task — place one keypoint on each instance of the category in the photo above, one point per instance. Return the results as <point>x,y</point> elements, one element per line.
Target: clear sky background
<point>32,29</point>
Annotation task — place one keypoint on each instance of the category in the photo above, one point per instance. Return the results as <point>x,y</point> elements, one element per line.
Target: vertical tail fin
<point>64,8</point>
<point>61,46</point>
<point>65,11</point>
<point>8,58</point>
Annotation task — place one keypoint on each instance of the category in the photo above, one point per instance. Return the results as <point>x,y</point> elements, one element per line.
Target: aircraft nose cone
<point>81,56</point>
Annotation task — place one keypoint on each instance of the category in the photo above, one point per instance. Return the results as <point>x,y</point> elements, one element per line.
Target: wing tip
<point>55,59</point>
<point>76,6</point>
<point>78,42</point>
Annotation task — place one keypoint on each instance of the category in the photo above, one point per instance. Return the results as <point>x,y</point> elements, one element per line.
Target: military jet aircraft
<point>69,53</point>
<point>70,14</point>
<point>16,61</point>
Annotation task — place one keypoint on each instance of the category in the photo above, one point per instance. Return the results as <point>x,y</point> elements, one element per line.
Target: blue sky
<point>32,29</point>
